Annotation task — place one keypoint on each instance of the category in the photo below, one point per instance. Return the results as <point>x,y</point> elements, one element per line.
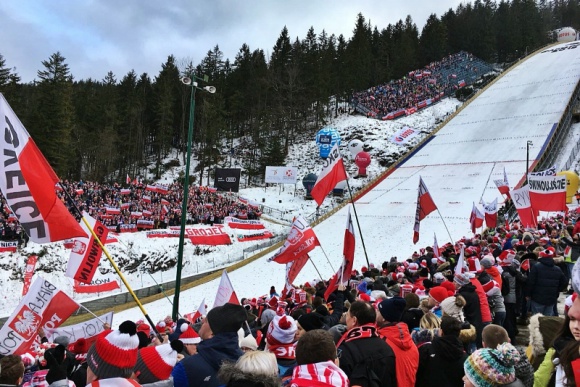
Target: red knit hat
<point>546,254</point>
<point>439,293</point>
<point>188,334</point>
<point>156,363</point>
<point>450,286</point>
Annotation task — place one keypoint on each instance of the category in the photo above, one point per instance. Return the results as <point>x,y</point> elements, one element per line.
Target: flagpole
<point>357,223</point>
<point>443,220</point>
<point>327,258</point>
<point>115,267</point>
<point>97,317</point>
<point>320,275</point>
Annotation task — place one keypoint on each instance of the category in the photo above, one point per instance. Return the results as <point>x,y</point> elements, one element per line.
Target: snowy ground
<point>458,166</point>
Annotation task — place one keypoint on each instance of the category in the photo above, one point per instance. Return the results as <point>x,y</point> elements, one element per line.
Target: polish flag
<point>28,183</point>
<point>476,219</point>
<point>225,293</point>
<point>128,179</point>
<point>301,240</point>
<point>460,262</point>
<point>435,247</point>
<point>292,270</point>
<point>425,206</point>
<point>86,252</point>
<point>194,317</point>
<point>332,173</point>
<point>523,204</point>
<point>146,198</point>
<point>490,210</point>
<point>503,185</point>
<point>547,193</point>
<point>342,276</point>
<point>165,202</point>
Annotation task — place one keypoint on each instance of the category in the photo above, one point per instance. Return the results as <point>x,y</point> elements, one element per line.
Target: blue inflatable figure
<point>325,139</point>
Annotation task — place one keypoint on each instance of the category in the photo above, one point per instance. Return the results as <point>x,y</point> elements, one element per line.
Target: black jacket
<point>545,282</point>
<point>368,359</point>
<point>441,363</point>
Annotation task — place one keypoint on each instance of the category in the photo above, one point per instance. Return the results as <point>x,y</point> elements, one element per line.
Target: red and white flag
<point>44,306</point>
<point>28,273</point>
<point>292,270</point>
<point>198,314</point>
<point>332,173</point>
<point>125,191</point>
<point>146,198</point>
<point>225,293</point>
<point>490,210</point>
<point>503,185</point>
<point>547,193</point>
<point>460,262</point>
<point>425,206</point>
<point>343,274</point>
<point>128,179</point>
<point>28,183</point>
<point>88,330</point>
<point>475,219</point>
<point>97,286</point>
<point>435,247</point>
<point>301,240</point>
<point>86,252</point>
<point>522,203</point>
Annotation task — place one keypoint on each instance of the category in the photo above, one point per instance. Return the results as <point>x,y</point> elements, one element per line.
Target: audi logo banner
<point>227,179</point>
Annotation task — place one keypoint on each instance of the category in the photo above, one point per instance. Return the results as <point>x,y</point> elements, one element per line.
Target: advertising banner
<point>227,179</point>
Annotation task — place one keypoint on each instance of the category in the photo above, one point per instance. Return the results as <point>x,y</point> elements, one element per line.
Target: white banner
<point>281,175</point>
<point>85,330</point>
<point>403,135</point>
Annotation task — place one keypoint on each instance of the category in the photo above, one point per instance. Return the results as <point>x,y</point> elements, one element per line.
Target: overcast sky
<point>98,36</point>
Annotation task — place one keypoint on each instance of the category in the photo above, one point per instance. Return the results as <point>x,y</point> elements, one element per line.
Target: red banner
<point>142,223</point>
<point>8,246</point>
<point>96,286</point>
<point>28,273</point>
<point>547,193</point>
<point>112,211</point>
<point>44,306</point>
<point>86,252</point>
<point>208,236</point>
<point>124,228</point>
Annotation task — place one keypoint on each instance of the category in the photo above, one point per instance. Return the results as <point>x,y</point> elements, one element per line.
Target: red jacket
<point>406,352</point>
<point>483,304</point>
<point>494,274</point>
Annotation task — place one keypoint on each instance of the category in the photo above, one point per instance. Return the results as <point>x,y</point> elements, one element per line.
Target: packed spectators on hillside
<point>146,206</point>
<point>434,81</point>
<point>421,321</point>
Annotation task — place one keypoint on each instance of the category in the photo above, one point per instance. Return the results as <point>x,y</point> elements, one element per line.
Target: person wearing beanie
<point>545,282</point>
<point>308,322</point>
<point>189,337</point>
<point>364,356</point>
<point>437,295</point>
<point>396,335</point>
<point>219,343</point>
<point>412,314</point>
<point>512,290</point>
<point>265,320</point>
<point>488,367</point>
<point>155,363</point>
<point>248,343</point>
<point>453,306</point>
<point>495,300</point>
<point>113,356</point>
<point>441,359</point>
<point>280,340</point>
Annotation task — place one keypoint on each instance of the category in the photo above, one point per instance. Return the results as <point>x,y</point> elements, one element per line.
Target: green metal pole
<point>175,314</point>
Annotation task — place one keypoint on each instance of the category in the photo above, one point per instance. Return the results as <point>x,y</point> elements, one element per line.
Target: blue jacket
<point>201,369</point>
<point>545,282</point>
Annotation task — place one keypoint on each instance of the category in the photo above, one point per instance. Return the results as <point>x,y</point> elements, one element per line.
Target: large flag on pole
<point>28,184</point>
<point>521,200</point>
<point>86,252</point>
<point>301,240</point>
<point>476,218</point>
<point>44,306</point>
<point>425,206</point>
<point>490,210</point>
<point>332,173</point>
<point>342,276</point>
<point>226,293</point>
<point>547,193</point>
<point>503,185</point>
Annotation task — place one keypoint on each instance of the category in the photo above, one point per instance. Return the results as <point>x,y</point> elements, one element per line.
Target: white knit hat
<point>282,329</point>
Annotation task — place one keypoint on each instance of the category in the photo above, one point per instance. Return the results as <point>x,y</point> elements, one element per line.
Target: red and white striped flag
<point>343,274</point>
<point>225,293</point>
<point>146,198</point>
<point>503,185</point>
<point>199,313</point>
<point>301,240</point>
<point>425,206</point>
<point>490,210</point>
<point>128,179</point>
<point>28,184</point>
<point>86,252</point>
<point>476,218</point>
<point>332,173</point>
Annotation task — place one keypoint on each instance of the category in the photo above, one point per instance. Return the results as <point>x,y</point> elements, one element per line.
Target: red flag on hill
<point>490,210</point>
<point>28,183</point>
<point>476,218</point>
<point>225,293</point>
<point>28,273</point>
<point>343,274</point>
<point>332,173</point>
<point>425,206</point>
<point>301,240</point>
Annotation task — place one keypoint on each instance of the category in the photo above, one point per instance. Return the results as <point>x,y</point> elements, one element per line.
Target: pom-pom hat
<point>114,353</point>
<point>282,329</point>
<point>188,335</point>
<point>488,367</point>
<point>156,363</point>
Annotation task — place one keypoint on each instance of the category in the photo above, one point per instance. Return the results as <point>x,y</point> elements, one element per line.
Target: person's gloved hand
<point>56,366</point>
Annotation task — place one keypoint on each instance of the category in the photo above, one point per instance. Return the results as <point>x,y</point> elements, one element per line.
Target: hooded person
<point>280,340</point>
<point>112,358</point>
<point>396,334</point>
<point>154,364</point>
<point>220,343</point>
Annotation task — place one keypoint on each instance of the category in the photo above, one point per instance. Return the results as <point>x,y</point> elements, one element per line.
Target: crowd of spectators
<point>438,79</point>
<point>146,206</point>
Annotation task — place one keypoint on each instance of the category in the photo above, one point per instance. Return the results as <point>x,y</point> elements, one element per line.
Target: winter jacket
<point>494,274</point>
<point>544,372</point>
<point>495,300</point>
<point>367,361</point>
<point>230,375</point>
<point>545,282</point>
<point>441,363</point>
<point>201,370</point>
<point>472,310</point>
<point>524,369</point>
<point>161,383</point>
<point>406,353</point>
<point>483,304</point>
<point>412,317</point>
<point>575,249</point>
<point>508,287</point>
<point>337,311</point>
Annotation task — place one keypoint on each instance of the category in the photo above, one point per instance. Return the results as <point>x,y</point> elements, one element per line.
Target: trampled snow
<point>458,165</point>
